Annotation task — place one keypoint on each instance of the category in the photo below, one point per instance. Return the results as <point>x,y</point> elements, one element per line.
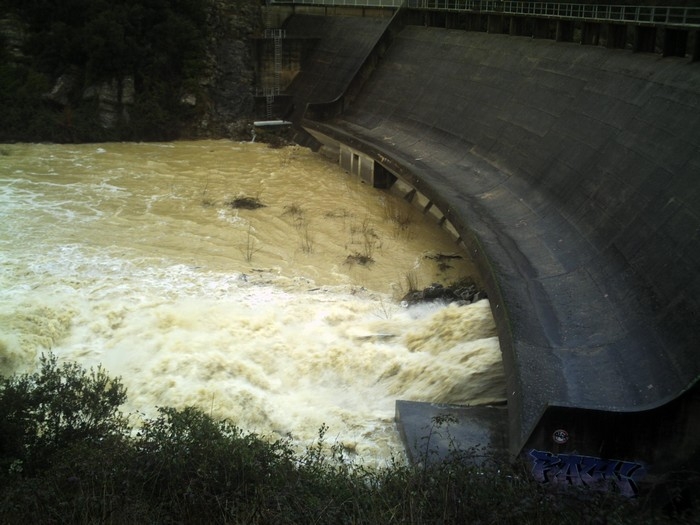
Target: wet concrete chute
<point>562,146</point>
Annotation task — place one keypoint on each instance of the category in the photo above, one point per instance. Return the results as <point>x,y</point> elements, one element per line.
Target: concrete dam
<point>571,174</point>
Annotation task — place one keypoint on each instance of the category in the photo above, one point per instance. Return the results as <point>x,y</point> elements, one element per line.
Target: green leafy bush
<point>55,408</point>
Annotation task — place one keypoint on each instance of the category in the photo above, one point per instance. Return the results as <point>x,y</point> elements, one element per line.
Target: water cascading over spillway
<point>135,257</point>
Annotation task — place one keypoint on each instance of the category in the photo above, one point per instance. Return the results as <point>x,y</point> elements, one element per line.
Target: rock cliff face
<point>115,99</point>
<point>12,35</point>
<point>216,102</point>
<point>230,71</point>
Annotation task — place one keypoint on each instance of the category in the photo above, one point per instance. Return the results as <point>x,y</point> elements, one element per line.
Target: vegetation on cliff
<point>87,70</point>
<point>68,455</point>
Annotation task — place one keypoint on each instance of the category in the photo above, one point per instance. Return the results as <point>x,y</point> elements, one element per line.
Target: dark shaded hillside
<point>93,70</point>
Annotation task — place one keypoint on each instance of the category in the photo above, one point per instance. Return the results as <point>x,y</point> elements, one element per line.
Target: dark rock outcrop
<point>462,292</point>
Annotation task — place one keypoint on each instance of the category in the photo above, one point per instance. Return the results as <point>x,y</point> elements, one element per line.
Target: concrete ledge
<point>433,432</point>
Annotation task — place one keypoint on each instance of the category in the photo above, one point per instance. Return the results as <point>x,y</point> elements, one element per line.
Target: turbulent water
<point>280,318</point>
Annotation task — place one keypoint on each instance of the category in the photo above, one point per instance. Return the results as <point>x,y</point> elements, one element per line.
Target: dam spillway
<point>570,174</point>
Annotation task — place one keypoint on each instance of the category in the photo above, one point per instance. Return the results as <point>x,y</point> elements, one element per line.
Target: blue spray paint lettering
<point>598,473</point>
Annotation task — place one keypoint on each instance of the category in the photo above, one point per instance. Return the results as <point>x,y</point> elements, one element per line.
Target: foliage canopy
<point>158,43</point>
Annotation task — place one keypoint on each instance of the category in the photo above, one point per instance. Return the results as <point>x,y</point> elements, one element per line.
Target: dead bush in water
<point>307,238</point>
<point>400,214</point>
<point>206,201</point>
<point>368,236</point>
<point>244,202</point>
<point>296,212</point>
<point>359,258</point>
<point>411,279</point>
<point>442,260</point>
<point>368,239</point>
<point>342,213</point>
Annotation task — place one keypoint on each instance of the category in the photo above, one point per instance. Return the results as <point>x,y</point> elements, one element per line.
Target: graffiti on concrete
<point>598,473</point>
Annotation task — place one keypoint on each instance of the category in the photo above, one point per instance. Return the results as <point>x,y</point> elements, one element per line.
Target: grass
<point>341,213</point>
<point>442,260</point>
<point>385,310</point>
<point>206,201</point>
<point>297,213</point>
<point>69,456</point>
<point>249,247</point>
<point>400,214</point>
<point>368,239</point>
<point>411,280</point>
<point>359,258</point>
<point>294,210</point>
<point>307,238</point>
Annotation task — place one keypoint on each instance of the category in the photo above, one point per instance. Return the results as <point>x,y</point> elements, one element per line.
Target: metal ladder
<point>269,101</point>
<point>277,38</point>
<point>276,35</point>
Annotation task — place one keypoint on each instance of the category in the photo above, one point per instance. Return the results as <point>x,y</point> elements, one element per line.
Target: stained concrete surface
<point>435,432</point>
<point>343,42</point>
<point>571,173</point>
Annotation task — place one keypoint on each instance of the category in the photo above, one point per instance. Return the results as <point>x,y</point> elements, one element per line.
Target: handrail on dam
<point>627,14</point>
<point>681,16</point>
<point>344,3</point>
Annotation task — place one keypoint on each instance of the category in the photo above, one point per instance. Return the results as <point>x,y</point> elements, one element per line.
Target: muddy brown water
<point>135,257</point>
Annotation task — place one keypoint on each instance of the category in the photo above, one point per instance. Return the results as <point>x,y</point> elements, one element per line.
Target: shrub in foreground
<point>69,456</point>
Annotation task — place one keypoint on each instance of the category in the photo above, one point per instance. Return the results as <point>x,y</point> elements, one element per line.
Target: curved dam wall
<point>572,174</point>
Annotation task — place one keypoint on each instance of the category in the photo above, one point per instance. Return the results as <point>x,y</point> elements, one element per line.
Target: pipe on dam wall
<point>573,172</point>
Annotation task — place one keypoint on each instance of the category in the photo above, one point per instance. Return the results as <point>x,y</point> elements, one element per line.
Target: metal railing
<point>663,15</point>
<point>349,3</point>
<point>685,16</point>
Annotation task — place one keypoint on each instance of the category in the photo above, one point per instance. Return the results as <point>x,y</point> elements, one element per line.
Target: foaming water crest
<point>131,256</point>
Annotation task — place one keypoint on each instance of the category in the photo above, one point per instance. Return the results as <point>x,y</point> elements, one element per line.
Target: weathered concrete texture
<point>572,174</point>
<point>343,44</point>
<point>435,432</point>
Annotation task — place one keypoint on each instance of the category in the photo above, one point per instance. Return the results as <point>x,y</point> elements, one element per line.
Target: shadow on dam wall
<point>572,175</point>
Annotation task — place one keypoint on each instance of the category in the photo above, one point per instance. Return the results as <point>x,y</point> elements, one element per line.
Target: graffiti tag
<point>598,473</point>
